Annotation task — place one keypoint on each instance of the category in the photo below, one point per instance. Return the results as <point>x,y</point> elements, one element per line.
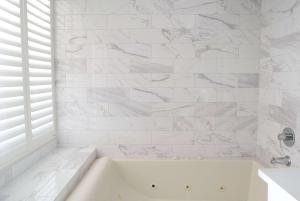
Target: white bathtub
<point>161,180</point>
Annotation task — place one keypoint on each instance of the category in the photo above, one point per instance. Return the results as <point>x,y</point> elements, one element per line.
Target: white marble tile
<point>108,95</point>
<point>173,109</point>
<point>59,21</point>
<point>195,95</point>
<point>71,94</point>
<point>76,123</point>
<point>173,21</point>
<point>158,71</point>
<point>70,7</point>
<point>130,137</point>
<point>152,94</point>
<point>70,138</point>
<point>196,66</point>
<point>206,50</point>
<point>177,7</point>
<point>162,123</point>
<point>109,123</point>
<point>247,108</point>
<point>152,65</point>
<point>49,177</point>
<point>244,6</point>
<point>87,80</point>
<point>71,66</point>
<point>85,21</point>
<point>81,109</point>
<point>167,50</point>
<point>163,80</point>
<point>172,137</point>
<point>129,108</point>
<point>129,80</point>
<point>108,7</point>
<point>239,66</point>
<point>129,50</point>
<point>129,21</point>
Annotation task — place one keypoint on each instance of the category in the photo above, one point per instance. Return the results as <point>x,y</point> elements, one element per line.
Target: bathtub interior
<point>201,180</point>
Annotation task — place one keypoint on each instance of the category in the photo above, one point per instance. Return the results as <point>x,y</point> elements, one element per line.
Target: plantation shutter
<point>40,66</point>
<point>12,110</point>
<point>26,83</point>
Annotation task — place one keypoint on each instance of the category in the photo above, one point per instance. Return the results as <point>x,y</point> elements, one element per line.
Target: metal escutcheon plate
<point>289,139</point>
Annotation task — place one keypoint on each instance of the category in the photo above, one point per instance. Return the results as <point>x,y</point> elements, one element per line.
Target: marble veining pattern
<point>279,100</point>
<point>51,178</point>
<point>161,79</point>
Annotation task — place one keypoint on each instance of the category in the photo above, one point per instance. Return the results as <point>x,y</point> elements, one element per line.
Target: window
<point>26,77</point>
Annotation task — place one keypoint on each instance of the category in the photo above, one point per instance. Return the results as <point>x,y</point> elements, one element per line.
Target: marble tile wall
<point>158,79</point>
<point>279,102</point>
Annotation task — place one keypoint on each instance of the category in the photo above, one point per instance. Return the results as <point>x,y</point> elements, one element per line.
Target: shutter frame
<point>37,54</point>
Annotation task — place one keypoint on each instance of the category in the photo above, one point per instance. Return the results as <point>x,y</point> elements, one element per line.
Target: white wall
<point>279,102</point>
<point>150,78</point>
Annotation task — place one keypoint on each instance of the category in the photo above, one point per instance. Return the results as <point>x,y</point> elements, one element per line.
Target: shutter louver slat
<point>38,81</point>
<point>9,42</point>
<point>34,20</point>
<point>9,51</point>
<point>41,113</point>
<point>41,74</point>
<point>11,92</point>
<point>41,89</point>
<point>40,33</point>
<point>11,102</point>
<point>39,130</point>
<point>40,105</point>
<point>39,8</point>
<point>41,121</point>
<point>40,66</point>
<point>14,2</point>
<point>40,69</point>
<point>10,32</point>
<point>38,41</point>
<point>44,4</point>
<point>40,97</point>
<point>41,26</point>
<point>12,122</point>
<point>10,71</point>
<point>38,49</point>
<point>39,58</point>
<point>12,22</point>
<point>30,13</point>
<point>7,7</point>
<point>12,133</point>
<point>11,112</point>
<point>10,82</point>
<point>10,62</point>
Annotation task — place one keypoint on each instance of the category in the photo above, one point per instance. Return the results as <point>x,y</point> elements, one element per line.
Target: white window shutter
<point>40,67</point>
<point>26,77</point>
<point>12,111</point>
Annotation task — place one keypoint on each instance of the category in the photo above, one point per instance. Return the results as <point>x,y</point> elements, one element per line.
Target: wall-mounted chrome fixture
<point>287,137</point>
<point>285,160</point>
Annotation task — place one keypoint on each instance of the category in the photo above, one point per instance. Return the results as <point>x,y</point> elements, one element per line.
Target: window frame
<point>29,145</point>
